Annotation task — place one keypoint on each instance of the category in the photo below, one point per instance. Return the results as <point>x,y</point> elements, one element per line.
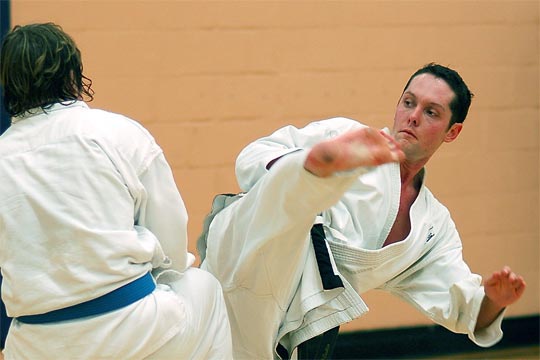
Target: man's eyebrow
<point>434,104</point>
<point>437,105</point>
<point>408,92</point>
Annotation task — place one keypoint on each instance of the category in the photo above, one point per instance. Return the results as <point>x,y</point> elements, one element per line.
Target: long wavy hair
<point>40,65</point>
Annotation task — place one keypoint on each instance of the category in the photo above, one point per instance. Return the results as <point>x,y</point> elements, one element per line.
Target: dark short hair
<point>40,65</point>
<point>462,95</point>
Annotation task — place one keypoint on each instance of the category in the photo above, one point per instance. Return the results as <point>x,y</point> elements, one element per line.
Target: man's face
<point>422,117</point>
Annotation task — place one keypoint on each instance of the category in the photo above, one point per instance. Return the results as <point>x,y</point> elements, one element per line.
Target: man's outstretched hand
<point>353,149</point>
<point>502,288</point>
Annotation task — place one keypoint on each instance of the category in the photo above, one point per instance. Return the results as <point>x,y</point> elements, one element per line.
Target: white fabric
<point>259,246</point>
<point>88,203</point>
<point>206,334</point>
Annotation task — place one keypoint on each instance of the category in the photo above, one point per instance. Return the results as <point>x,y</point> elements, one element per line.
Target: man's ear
<point>453,133</point>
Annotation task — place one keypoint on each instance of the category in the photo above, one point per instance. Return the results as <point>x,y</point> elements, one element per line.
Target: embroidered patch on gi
<point>430,234</point>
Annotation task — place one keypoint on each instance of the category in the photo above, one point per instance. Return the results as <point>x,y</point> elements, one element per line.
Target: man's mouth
<point>408,132</point>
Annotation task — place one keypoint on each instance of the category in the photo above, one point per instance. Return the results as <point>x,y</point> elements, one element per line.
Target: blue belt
<point>114,300</point>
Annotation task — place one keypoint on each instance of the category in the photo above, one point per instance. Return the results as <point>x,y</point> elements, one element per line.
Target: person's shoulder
<point>119,122</point>
<point>341,120</point>
<point>106,115</point>
<point>435,206</point>
<point>340,124</point>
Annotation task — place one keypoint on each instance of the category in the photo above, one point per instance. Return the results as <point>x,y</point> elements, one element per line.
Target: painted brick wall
<point>206,78</point>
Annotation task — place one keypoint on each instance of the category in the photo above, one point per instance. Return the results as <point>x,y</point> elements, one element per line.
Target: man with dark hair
<point>461,102</point>
<point>93,230</point>
<point>337,208</point>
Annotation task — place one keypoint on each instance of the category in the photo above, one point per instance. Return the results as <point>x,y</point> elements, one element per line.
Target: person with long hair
<point>93,229</point>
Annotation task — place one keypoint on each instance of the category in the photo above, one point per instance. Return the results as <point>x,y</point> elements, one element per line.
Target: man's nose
<point>414,116</point>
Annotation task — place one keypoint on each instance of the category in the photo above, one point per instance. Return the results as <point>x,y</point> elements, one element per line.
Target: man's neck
<point>411,174</point>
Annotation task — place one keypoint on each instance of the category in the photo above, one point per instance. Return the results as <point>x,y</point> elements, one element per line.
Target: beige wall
<point>208,77</point>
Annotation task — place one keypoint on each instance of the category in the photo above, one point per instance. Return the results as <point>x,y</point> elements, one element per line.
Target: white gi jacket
<point>259,248</point>
<point>80,190</point>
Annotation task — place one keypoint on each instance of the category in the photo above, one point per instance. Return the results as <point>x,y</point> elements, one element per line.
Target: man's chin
<point>407,147</point>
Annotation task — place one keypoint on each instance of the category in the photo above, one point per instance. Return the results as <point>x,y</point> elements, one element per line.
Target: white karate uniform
<point>88,204</point>
<point>260,250</point>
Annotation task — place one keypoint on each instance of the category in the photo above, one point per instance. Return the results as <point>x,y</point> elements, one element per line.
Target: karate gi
<point>88,204</point>
<point>260,250</point>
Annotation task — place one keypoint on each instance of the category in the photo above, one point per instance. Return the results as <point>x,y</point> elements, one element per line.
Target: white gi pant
<point>204,331</point>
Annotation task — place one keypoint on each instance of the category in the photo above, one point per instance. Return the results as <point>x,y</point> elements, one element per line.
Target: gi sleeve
<point>442,286</point>
<point>252,162</point>
<point>164,213</point>
<point>157,204</point>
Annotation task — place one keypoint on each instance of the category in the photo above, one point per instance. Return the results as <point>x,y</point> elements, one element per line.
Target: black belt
<point>329,279</point>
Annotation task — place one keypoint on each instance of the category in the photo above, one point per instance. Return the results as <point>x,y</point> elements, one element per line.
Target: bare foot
<point>353,149</point>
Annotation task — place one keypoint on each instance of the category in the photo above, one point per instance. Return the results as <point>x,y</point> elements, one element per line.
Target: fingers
<point>503,273</point>
<point>390,138</point>
<point>506,277</point>
<point>520,286</point>
<point>504,287</point>
<point>382,148</point>
<point>396,152</point>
